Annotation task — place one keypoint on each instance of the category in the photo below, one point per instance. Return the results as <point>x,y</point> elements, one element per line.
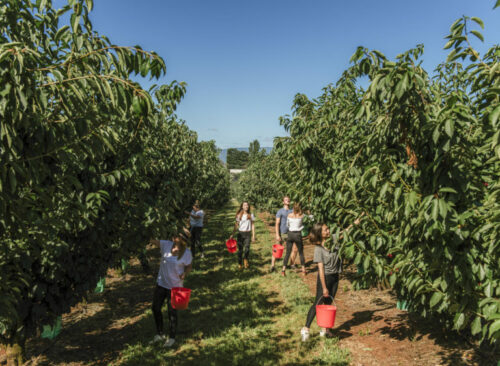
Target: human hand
<point>277,237</point>
<point>325,292</point>
<point>182,276</point>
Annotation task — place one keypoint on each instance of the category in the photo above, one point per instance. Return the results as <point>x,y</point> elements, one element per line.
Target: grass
<point>237,317</point>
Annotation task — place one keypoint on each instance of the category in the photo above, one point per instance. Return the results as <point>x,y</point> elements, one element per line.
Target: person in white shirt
<point>246,230</point>
<point>175,265</point>
<point>196,227</point>
<point>295,226</point>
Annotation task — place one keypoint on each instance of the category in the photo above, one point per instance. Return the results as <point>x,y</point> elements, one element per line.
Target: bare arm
<point>321,270</point>
<point>277,229</point>
<point>253,231</point>
<point>356,222</point>
<point>192,215</point>
<point>187,269</point>
<point>154,242</point>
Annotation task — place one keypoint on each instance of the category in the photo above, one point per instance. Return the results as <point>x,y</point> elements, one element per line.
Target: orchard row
<point>91,165</point>
<point>419,153</point>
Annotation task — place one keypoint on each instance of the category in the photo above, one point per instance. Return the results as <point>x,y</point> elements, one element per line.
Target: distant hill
<point>223,152</point>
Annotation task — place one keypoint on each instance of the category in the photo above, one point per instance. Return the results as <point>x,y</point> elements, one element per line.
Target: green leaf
<point>435,209</point>
<point>136,105</point>
<point>488,290</point>
<point>447,190</point>
<point>494,327</point>
<point>478,21</point>
<point>436,297</point>
<point>90,4</point>
<point>449,127</point>
<point>478,35</point>
<point>12,180</point>
<point>75,22</point>
<point>443,208</point>
<point>459,321</point>
<point>449,44</point>
<point>476,326</point>
<point>494,115</point>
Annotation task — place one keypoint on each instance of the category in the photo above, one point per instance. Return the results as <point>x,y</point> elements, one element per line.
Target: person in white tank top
<point>246,233</point>
<point>295,226</point>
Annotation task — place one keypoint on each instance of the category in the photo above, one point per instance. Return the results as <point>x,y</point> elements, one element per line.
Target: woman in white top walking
<point>174,266</point>
<point>196,227</point>
<point>295,226</point>
<point>246,230</point>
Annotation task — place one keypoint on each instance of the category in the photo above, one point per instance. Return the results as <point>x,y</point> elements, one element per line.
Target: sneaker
<point>283,273</point>
<point>272,269</point>
<point>304,334</point>
<point>170,342</point>
<point>157,339</point>
<point>325,333</point>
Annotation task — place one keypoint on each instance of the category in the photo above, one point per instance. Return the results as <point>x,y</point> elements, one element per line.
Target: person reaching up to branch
<point>329,268</point>
<point>175,265</point>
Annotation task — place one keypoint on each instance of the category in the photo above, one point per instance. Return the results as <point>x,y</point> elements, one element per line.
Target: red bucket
<point>180,297</point>
<point>278,250</point>
<point>231,245</point>
<point>325,315</point>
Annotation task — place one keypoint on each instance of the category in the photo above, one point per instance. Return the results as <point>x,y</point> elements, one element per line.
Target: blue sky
<point>244,61</point>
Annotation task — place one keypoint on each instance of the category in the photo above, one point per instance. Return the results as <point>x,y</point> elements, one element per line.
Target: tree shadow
<point>358,318</point>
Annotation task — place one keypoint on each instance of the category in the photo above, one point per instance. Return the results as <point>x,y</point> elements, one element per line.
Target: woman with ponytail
<point>329,268</point>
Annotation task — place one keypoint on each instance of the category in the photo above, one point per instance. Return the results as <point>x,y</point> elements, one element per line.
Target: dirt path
<point>235,317</point>
<point>377,333</point>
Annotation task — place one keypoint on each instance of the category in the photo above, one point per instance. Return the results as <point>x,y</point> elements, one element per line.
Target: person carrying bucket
<point>246,231</point>
<point>295,226</point>
<point>281,227</point>
<point>196,227</point>
<point>329,267</point>
<point>175,265</point>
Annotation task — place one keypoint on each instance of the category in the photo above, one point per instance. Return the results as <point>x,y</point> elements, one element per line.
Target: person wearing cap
<point>175,265</point>
<point>196,227</point>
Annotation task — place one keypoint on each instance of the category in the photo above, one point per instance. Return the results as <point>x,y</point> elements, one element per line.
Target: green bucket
<point>402,305</point>
<point>50,332</point>
<point>100,285</point>
<point>124,264</point>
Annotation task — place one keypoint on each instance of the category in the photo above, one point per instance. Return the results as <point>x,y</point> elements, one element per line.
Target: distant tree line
<point>238,159</point>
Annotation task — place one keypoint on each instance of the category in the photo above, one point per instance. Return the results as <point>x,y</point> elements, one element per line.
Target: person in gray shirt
<point>281,228</point>
<point>329,267</point>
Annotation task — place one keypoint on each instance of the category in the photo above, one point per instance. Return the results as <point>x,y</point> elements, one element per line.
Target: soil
<point>375,332</point>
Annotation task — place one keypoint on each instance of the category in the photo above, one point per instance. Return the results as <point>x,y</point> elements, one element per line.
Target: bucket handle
<point>330,296</point>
